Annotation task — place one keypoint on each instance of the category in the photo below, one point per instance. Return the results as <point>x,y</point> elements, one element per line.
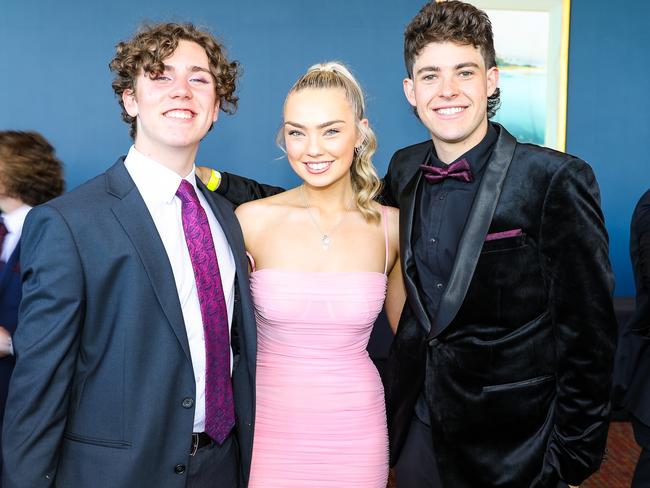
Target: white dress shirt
<point>158,184</point>
<point>14,221</point>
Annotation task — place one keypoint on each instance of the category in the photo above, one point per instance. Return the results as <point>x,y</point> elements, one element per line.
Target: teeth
<point>450,110</point>
<point>179,114</point>
<point>317,166</point>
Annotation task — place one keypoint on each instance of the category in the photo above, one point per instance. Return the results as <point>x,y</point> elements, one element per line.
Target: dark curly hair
<point>452,21</point>
<point>153,44</point>
<point>29,170</point>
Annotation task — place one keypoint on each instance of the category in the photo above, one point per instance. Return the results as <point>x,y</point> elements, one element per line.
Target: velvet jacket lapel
<point>476,228</point>
<point>131,211</point>
<point>407,215</point>
<point>471,241</point>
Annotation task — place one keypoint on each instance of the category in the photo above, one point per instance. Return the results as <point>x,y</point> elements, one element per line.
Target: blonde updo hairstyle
<point>365,182</point>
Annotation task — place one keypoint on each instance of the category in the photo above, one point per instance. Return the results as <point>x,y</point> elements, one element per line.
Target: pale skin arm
<point>396,294</point>
<point>251,224</point>
<point>203,173</point>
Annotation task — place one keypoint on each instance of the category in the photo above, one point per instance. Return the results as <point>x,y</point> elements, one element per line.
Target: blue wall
<point>609,111</point>
<point>54,79</point>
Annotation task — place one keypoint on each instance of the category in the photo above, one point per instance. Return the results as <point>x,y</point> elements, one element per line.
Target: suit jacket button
<point>179,469</point>
<point>187,402</point>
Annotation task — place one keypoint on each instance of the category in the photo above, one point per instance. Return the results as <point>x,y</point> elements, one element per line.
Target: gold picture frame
<point>532,43</point>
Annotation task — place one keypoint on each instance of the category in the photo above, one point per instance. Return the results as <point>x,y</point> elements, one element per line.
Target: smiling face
<point>320,134</point>
<point>176,108</point>
<point>449,89</point>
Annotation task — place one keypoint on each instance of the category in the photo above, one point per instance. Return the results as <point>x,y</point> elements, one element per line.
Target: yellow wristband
<point>214,181</point>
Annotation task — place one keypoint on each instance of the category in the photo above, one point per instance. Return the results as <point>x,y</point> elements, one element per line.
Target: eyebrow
<point>319,126</point>
<point>425,69</point>
<point>193,69</point>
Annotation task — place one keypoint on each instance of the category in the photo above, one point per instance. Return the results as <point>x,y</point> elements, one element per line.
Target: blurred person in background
<point>632,390</point>
<point>30,174</point>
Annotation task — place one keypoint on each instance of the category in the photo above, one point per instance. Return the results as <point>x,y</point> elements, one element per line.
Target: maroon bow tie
<point>460,170</point>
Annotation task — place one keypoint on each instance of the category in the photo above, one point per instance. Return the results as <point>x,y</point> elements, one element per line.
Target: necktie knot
<point>460,170</point>
<point>186,192</point>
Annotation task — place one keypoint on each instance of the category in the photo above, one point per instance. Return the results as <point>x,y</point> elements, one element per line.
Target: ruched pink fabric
<point>320,416</point>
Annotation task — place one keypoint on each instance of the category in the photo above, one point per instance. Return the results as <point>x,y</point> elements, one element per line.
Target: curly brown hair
<point>152,44</point>
<point>29,170</point>
<point>452,21</point>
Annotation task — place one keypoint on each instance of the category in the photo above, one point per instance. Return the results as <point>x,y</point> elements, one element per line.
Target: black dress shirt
<point>441,212</point>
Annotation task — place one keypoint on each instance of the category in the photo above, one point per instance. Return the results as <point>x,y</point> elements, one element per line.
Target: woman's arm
<point>396,294</point>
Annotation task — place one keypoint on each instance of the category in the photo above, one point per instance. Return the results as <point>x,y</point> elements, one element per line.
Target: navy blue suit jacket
<point>103,390</point>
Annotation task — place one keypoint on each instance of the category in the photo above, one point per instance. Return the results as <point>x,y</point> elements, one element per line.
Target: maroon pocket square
<point>503,235</point>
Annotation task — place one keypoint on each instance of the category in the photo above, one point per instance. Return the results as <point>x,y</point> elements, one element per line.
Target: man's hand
<point>6,347</point>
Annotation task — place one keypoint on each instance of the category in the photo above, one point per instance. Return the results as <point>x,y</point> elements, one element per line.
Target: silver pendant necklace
<point>325,239</point>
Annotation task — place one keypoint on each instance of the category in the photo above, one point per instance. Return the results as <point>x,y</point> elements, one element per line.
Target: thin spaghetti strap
<point>251,260</point>
<point>384,216</point>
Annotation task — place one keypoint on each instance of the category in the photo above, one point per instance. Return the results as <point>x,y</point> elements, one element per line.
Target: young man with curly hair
<point>136,349</point>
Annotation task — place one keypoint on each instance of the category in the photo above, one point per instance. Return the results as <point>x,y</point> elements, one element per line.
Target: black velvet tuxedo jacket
<point>103,391</point>
<point>634,347</point>
<point>516,363</point>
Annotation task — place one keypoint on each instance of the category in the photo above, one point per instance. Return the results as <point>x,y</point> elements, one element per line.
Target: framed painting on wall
<point>532,45</point>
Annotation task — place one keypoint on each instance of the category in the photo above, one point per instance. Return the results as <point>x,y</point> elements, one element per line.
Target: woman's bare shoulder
<point>258,214</point>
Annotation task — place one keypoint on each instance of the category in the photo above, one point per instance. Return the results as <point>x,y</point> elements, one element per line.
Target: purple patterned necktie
<point>219,409</point>
<point>459,170</point>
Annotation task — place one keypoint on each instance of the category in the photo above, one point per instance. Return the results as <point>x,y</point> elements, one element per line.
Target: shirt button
<point>179,469</point>
<point>187,402</point>
<point>433,240</point>
<point>439,286</point>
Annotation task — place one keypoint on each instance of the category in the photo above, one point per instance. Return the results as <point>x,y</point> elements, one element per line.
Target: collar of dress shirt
<point>14,220</point>
<point>476,156</point>
<point>156,182</point>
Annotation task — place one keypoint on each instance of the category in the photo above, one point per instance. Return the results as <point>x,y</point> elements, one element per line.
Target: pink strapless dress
<point>320,414</point>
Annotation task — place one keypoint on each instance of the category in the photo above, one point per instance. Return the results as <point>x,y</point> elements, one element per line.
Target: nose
<point>314,147</point>
<point>449,88</point>
<point>181,88</point>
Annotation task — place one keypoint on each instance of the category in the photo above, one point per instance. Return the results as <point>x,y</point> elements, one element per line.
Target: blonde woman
<point>325,260</point>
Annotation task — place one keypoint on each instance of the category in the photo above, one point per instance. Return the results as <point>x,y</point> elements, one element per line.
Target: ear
<point>361,136</point>
<point>130,103</point>
<point>492,79</point>
<point>409,90</point>
<point>216,111</point>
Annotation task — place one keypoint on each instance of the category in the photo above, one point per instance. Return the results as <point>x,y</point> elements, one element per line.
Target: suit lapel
<point>222,210</point>
<point>478,223</point>
<point>132,213</point>
<point>407,203</point>
<point>224,215</point>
